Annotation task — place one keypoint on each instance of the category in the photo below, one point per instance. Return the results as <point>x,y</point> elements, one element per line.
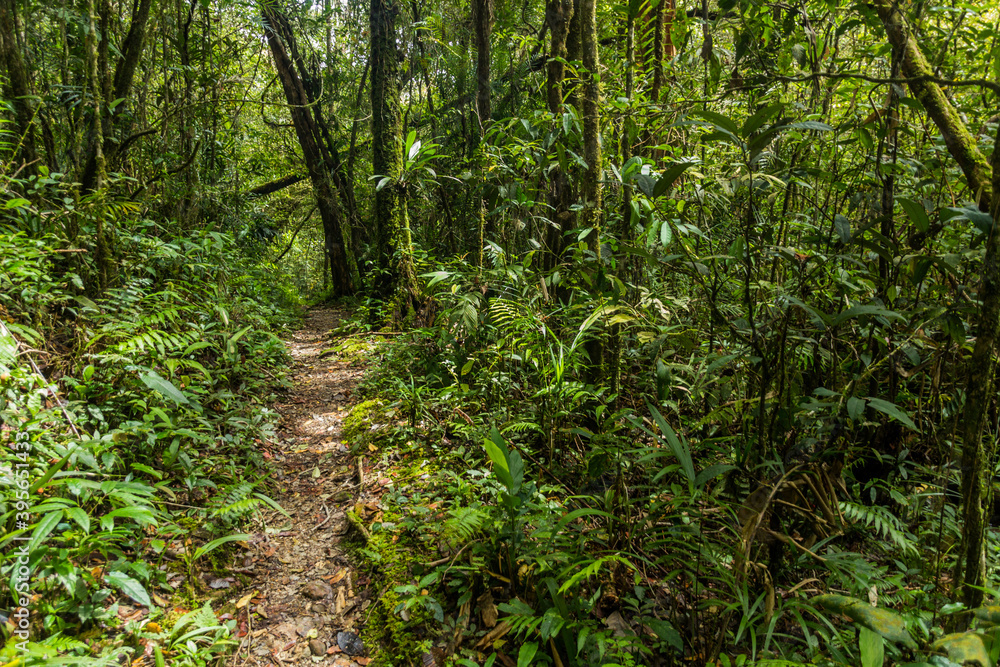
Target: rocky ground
<point>307,604</point>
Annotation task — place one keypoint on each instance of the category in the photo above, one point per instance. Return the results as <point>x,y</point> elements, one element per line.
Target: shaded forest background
<point>692,313</point>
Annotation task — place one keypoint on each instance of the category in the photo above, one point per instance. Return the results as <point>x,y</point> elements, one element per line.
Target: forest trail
<point>311,603</point>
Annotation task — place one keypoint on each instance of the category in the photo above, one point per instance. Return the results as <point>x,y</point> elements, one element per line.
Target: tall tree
<point>558,16</point>
<point>396,280</point>
<point>130,52</point>
<point>18,89</point>
<point>312,135</point>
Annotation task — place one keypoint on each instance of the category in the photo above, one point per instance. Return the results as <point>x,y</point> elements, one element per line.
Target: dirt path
<point>311,603</point>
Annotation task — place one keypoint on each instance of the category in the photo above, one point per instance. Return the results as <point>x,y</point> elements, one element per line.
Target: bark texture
<point>558,15</point>
<point>395,280</point>
<point>979,454</point>
<point>482,15</point>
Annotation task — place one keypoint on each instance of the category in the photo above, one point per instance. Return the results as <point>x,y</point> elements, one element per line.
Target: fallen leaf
<point>334,578</point>
<point>245,600</point>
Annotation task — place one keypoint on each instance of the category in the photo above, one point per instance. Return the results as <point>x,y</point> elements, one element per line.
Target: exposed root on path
<point>310,603</point>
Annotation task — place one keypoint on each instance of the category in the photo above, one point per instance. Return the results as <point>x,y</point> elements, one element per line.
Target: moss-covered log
<point>960,142</point>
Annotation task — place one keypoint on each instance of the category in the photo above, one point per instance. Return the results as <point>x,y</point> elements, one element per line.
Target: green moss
<point>398,641</point>
<point>358,423</point>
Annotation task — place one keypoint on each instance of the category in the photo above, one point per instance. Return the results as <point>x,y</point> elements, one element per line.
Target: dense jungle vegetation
<point>679,321</point>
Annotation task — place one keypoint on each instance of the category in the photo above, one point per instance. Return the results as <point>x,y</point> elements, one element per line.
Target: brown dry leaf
<point>362,661</point>
<point>341,602</point>
<point>487,609</point>
<point>245,600</point>
<point>334,578</point>
<point>493,635</point>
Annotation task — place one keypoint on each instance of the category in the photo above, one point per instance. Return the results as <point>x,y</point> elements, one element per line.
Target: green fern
<point>882,521</point>
<point>234,502</point>
<point>464,524</point>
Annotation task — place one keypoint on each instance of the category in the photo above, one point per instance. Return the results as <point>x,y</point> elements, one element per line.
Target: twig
<point>324,521</point>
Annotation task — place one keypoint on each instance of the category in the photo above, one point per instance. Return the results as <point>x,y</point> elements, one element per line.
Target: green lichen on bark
<point>396,279</point>
<point>960,142</point>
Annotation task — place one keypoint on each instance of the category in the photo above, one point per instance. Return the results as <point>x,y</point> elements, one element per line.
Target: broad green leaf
<point>720,121</point>
<point>711,472</point>
<point>857,311</point>
<point>667,633</point>
<point>990,614</point>
<point>982,221</point>
<point>218,542</point>
<point>646,184</point>
<point>153,380</point>
<point>916,212</point>
<point>666,234</point>
<point>843,226</point>
<point>43,528</point>
<point>81,518</point>
<point>671,174</point>
<point>753,123</point>
<point>855,408</point>
<point>576,514</point>
<point>516,467</point>
<point>129,587</point>
<point>892,410</point>
<point>872,648</point>
<point>887,623</point>
<point>498,456</point>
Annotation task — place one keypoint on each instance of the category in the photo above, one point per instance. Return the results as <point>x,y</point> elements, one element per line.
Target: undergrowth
<point>135,425</point>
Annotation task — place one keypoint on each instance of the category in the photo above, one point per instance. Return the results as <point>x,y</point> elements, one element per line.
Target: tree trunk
<point>131,51</point>
<point>592,214</point>
<point>18,90</point>
<point>482,16</point>
<point>337,234</point>
<point>102,255</point>
<point>961,144</point>
<point>395,280</point>
<point>558,14</point>
<point>978,454</point>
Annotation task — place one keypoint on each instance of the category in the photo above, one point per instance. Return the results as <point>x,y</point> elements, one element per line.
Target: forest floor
<point>309,603</point>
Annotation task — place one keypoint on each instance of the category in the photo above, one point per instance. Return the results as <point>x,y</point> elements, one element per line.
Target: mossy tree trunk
<point>395,281</point>
<point>18,89</point>
<point>960,142</point>
<point>482,18</point>
<point>130,52</point>
<point>591,191</point>
<point>978,453</point>
<point>558,15</point>
<point>102,253</point>
<point>312,135</point>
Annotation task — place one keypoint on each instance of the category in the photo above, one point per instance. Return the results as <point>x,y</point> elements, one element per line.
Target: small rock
<point>350,643</point>
<point>305,626</point>
<point>317,590</point>
<point>317,647</point>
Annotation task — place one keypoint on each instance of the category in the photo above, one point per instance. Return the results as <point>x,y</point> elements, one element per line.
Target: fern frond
<point>885,524</point>
<point>463,525</point>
